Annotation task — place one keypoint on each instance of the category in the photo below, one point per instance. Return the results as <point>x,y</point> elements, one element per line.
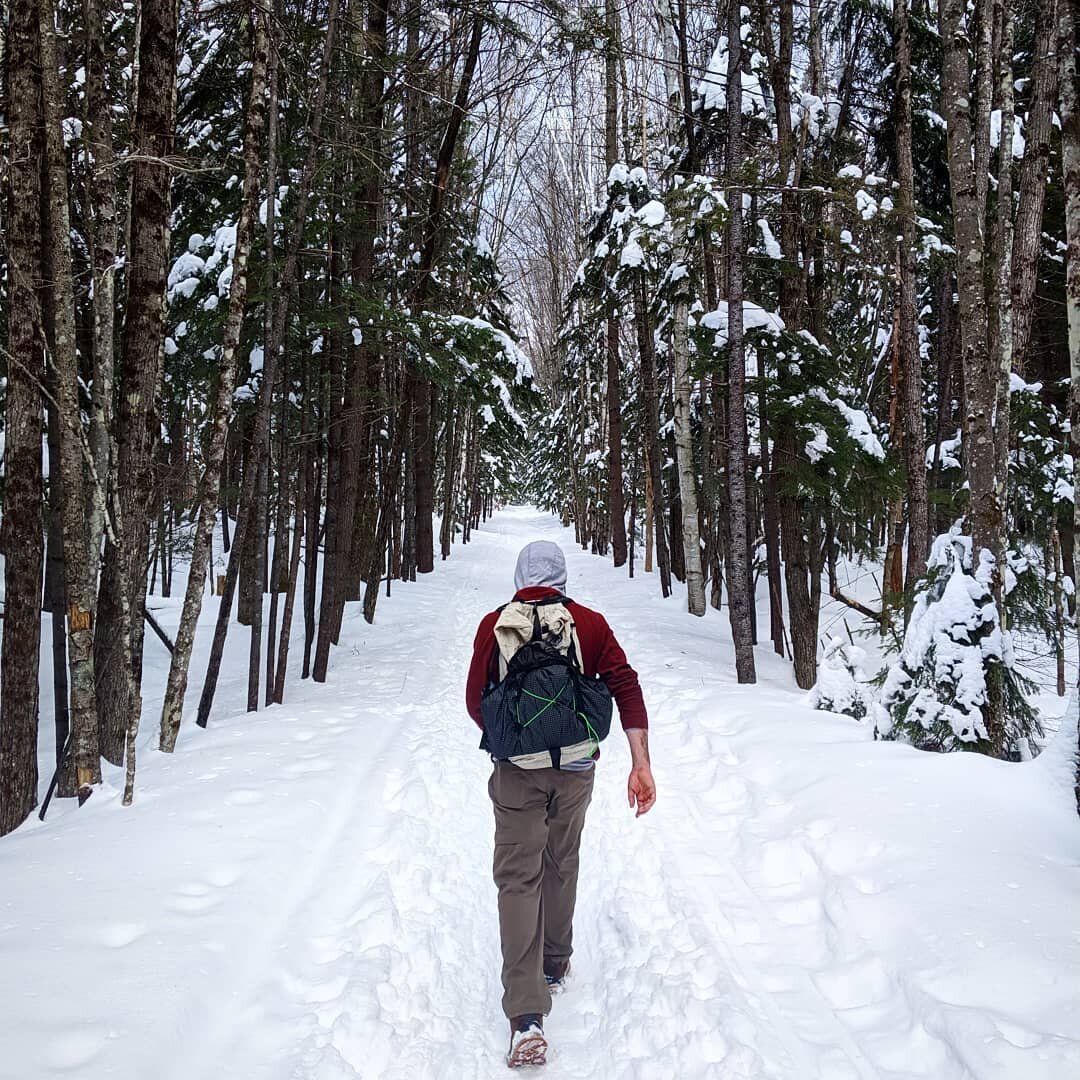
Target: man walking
<point>540,809</point>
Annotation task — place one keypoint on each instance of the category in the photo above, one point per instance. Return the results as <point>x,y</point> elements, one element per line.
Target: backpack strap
<point>556,756</point>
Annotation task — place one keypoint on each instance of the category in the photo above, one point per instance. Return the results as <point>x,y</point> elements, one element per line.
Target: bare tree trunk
<point>981,372</point>
<point>892,574</point>
<point>653,449</point>
<point>1055,561</point>
<point>1002,327</point>
<point>738,552</point>
<point>221,406</point>
<point>281,524</point>
<point>248,500</point>
<point>290,600</point>
<point>20,531</point>
<point>684,446</point>
<point>138,421</point>
<point>79,577</point>
<point>56,598</point>
<point>918,512</point>
<point>771,518</point>
<point>103,239</point>
<point>1067,25</point>
<point>616,507</point>
<point>1034,171</point>
<point>424,450</point>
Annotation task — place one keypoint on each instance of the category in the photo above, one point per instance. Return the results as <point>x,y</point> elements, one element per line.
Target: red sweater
<point>601,655</point>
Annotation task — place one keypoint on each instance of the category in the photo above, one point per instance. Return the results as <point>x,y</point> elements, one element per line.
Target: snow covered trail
<point>305,893</point>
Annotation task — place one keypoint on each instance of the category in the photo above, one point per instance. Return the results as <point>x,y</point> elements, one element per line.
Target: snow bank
<point>305,894</point>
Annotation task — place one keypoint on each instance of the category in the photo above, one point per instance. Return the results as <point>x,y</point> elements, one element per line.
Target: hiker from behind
<point>543,675</point>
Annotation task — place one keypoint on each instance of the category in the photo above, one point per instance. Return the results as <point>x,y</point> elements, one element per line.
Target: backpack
<point>542,710</point>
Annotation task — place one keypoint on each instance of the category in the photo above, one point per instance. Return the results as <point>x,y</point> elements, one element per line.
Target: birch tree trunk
<point>20,531</point>
<point>221,404</point>
<point>738,551</point>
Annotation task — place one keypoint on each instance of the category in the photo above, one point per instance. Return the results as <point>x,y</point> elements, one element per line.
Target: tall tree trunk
<point>138,421</point>
<point>616,507</point>
<point>1034,180</point>
<point>771,517</point>
<point>337,543</point>
<point>248,500</point>
<point>56,598</point>
<point>424,449</point>
<point>221,405</point>
<point>1067,27</point>
<point>279,568</point>
<point>20,530</point>
<point>79,577</point>
<point>684,445</point>
<point>290,600</point>
<point>653,450</point>
<point>981,381</point>
<point>911,365</point>
<point>103,240</point>
<point>1002,328</point>
<point>738,552</point>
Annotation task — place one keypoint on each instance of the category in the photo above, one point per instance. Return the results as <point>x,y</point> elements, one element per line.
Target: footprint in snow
<point>244,797</point>
<point>187,904</point>
<point>76,1048</point>
<point>120,935</point>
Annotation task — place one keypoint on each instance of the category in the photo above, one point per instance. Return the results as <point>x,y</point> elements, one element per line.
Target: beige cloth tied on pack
<point>516,623</point>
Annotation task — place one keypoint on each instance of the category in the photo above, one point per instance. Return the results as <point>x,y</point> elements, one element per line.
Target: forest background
<point>301,292</point>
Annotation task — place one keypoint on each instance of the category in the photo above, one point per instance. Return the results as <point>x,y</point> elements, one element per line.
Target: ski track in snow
<point>319,904</point>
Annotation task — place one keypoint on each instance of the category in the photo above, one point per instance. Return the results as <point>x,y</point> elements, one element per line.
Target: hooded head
<point>540,563</point>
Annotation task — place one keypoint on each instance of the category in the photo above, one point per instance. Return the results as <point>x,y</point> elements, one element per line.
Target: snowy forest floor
<point>305,893</point>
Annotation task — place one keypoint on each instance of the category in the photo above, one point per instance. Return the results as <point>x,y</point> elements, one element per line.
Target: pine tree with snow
<point>936,694</point>
<point>842,683</point>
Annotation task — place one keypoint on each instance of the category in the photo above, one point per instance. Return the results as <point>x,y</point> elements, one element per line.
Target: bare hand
<point>641,789</point>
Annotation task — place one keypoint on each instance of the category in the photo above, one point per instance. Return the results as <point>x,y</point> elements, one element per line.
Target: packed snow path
<point>305,893</point>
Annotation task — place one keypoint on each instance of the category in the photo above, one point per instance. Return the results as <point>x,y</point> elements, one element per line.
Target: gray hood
<point>541,563</point>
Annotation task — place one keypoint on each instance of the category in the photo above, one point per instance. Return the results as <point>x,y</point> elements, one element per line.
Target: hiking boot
<point>527,1043</point>
<point>555,972</point>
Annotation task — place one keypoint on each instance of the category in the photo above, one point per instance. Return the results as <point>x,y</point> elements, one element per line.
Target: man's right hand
<point>641,789</point>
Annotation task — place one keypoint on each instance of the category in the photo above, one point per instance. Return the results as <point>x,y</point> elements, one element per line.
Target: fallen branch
<point>162,636</point>
<point>837,594</point>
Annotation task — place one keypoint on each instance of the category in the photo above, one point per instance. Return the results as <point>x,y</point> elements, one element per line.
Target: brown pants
<point>538,818</point>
